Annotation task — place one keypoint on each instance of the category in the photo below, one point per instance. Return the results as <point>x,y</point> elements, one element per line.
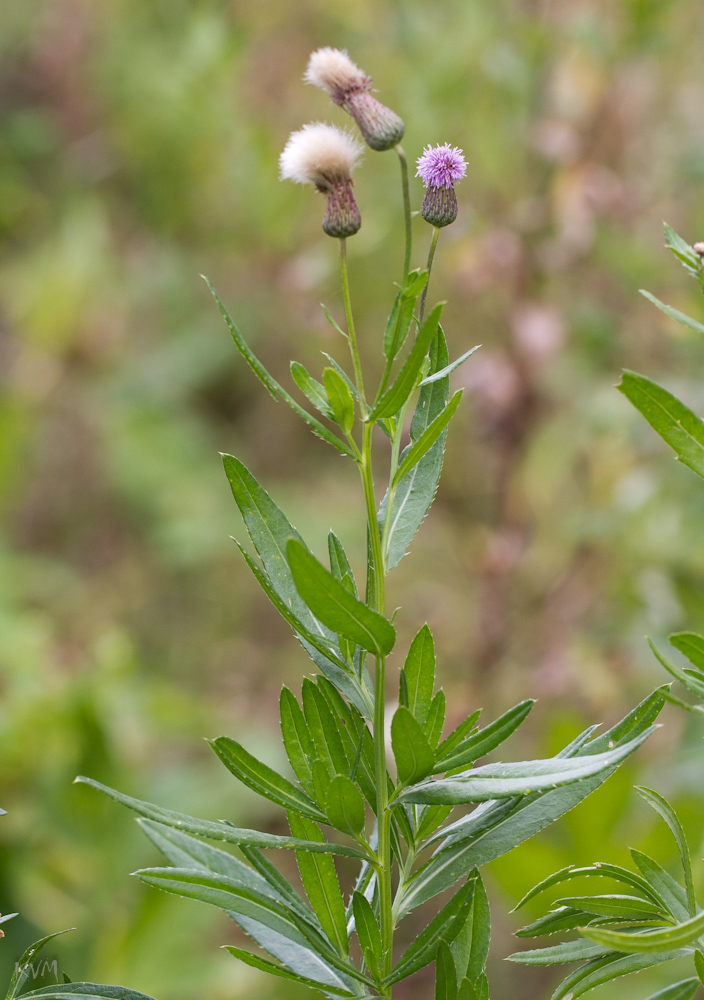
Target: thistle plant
<point>344,795</point>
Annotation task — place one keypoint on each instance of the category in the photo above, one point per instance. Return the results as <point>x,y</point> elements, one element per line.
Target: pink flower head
<point>442,166</point>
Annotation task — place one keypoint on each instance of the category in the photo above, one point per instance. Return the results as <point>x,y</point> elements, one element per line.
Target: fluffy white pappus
<point>320,154</point>
<point>334,71</point>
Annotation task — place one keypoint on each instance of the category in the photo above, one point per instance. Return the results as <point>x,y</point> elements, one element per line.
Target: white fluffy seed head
<point>320,154</point>
<point>334,71</point>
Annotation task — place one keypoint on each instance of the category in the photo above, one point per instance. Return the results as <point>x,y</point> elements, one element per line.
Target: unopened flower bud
<point>325,156</point>
<point>440,168</point>
<point>699,249</point>
<point>333,71</point>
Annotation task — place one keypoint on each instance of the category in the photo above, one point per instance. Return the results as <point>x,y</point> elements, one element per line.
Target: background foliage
<point>138,148</point>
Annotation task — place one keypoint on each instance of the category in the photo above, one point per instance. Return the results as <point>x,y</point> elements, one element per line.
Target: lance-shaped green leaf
<point>270,530</point>
<point>619,905</point>
<point>356,740</point>
<point>692,683</point>
<point>263,779</point>
<point>344,806</point>
<point>339,563</point>
<point>296,738</point>
<point>427,439</point>
<point>341,371</point>
<point>470,948</point>
<point>444,927</point>
<point>419,674</point>
<point>404,383</point>
<point>276,390</point>
<point>448,369</point>
<point>412,752</point>
<point>486,739</point>
<point>496,827</point>
<point>414,494</point>
<point>673,313</point>
<point>339,398</point>
<point>648,942</point>
<point>219,829</point>
<point>494,781</point>
<point>219,891</point>
<point>568,951</point>
<point>691,645</point>
<point>23,966</point>
<point>368,933</point>
<point>399,322</point>
<point>335,606</point>
<point>459,734</point>
<point>602,970</point>
<point>87,991</point>
<point>184,851</point>
<point>665,810</point>
<point>683,990</point>
<point>669,892</point>
<point>682,250</point>
<point>564,918</point>
<point>324,646</point>
<point>600,869</point>
<point>320,882</point>
<point>311,388</point>
<point>264,965</point>
<point>445,974</point>
<point>699,964</point>
<point>323,730</point>
<point>676,424</point>
<point>436,719</point>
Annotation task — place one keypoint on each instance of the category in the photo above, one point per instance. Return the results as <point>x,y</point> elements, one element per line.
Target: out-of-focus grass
<point>138,148</point>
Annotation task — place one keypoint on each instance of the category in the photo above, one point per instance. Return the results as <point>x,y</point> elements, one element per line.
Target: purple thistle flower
<point>441,166</point>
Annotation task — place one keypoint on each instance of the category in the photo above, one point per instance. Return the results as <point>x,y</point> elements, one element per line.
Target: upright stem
<point>429,267</point>
<point>406,210</point>
<point>354,350</point>
<point>377,602</point>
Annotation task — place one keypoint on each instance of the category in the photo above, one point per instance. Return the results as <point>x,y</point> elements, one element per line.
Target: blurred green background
<point>138,148</point>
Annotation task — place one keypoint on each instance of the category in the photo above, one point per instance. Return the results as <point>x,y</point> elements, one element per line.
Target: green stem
<point>354,350</point>
<point>376,601</point>
<point>429,267</point>
<point>406,211</point>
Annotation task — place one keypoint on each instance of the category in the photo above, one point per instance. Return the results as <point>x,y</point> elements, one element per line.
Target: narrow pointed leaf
<point>427,439</point>
<point>340,401</point>
<point>322,887</point>
<point>682,249</point>
<point>602,970</point>
<point>673,313</point>
<point>22,967</point>
<point>445,974</point>
<point>394,398</point>
<point>311,388</point>
<point>505,780</point>
<point>323,730</point>
<point>623,906</point>
<point>699,964</point>
<point>333,605</point>
<point>339,563</point>
<point>676,424</point>
<point>683,990</point>
<point>87,991</point>
<point>276,390</point>
<point>691,683</point>
<point>412,752</point>
<point>297,741</point>
<point>691,645</point>
<point>664,809</point>
<point>448,369</point>
<point>568,951</point>
<point>345,806</point>
<point>419,673</point>
<point>601,869</point>
<point>648,942</point>
<point>264,965</point>
<point>219,829</point>
<point>436,719</point>
<point>263,779</point>
<point>459,734</point>
<point>368,932</point>
<point>670,893</point>
<point>486,739</point>
<point>470,948</point>
<point>416,491</point>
